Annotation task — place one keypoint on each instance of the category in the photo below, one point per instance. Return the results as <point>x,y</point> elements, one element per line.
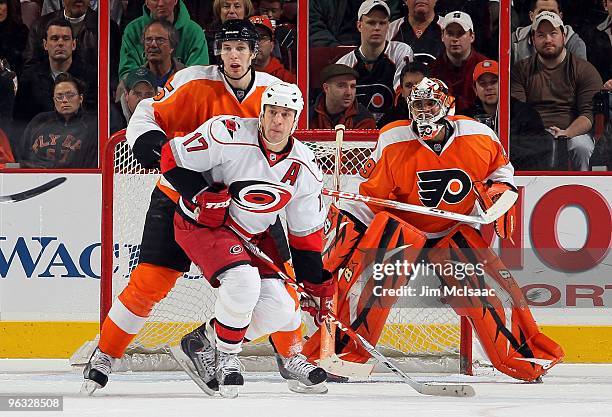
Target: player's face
<point>420,8</point>
<point>340,91</point>
<point>457,41</point>
<point>486,87</point>
<point>374,27</point>
<point>3,11</point>
<point>59,43</point>
<point>138,93</point>
<point>236,56</point>
<point>232,9</point>
<point>67,98</point>
<point>548,40</point>
<point>76,8</point>
<point>409,80</point>
<point>157,44</point>
<point>272,9</point>
<point>161,9</point>
<point>277,123</point>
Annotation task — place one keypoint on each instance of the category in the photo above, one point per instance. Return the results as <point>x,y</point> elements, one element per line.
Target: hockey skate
<point>196,355</point>
<point>96,372</point>
<point>302,376</point>
<point>229,374</point>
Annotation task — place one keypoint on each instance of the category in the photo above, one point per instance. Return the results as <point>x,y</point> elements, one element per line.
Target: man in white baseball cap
<point>368,5</point>
<point>456,64</point>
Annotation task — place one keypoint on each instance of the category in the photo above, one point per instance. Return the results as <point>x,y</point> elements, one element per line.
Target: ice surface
<point>568,390</point>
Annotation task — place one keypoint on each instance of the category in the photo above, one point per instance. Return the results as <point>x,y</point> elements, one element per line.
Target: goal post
<point>415,334</point>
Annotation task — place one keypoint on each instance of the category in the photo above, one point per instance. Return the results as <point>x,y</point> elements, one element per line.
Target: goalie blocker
<point>513,343</point>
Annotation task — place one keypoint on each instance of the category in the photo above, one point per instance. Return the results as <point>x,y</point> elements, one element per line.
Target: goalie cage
<point>419,339</point>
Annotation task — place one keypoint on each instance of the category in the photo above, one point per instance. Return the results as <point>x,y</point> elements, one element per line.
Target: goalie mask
<point>428,103</point>
<point>283,95</point>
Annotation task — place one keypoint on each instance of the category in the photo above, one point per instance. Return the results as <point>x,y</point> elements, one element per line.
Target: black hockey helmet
<point>236,30</point>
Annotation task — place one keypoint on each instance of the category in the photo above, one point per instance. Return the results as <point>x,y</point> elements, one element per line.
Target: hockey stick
<point>328,359</point>
<point>502,205</point>
<point>445,390</point>
<point>24,195</point>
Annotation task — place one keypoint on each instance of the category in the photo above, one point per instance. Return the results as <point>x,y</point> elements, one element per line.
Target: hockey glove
<point>322,298</point>
<point>213,205</point>
<point>487,194</point>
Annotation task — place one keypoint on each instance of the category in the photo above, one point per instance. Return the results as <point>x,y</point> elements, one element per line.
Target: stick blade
<point>24,195</point>
<point>447,390</point>
<point>336,366</point>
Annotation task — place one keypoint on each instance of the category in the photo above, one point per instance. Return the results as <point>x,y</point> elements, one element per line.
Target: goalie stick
<point>329,361</point>
<point>24,195</point>
<point>445,390</point>
<point>502,205</point>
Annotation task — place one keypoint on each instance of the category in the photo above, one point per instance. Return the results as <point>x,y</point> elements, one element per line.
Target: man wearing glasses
<point>264,61</point>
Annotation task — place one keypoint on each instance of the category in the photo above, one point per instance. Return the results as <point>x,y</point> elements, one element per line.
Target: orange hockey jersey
<point>405,169</point>
<point>194,95</point>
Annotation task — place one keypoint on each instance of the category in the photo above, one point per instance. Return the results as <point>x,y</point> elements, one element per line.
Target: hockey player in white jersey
<point>258,170</point>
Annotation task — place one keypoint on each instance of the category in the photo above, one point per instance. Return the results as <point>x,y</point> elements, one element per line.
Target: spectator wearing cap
<point>420,28</point>
<point>332,22</point>
<point>412,74</point>
<point>378,61</point>
<point>530,143</point>
<point>191,49</point>
<point>456,64</point>
<point>522,45</point>
<point>337,103</point>
<point>560,86</point>
<point>66,137</point>
<point>264,61</point>
<point>139,85</point>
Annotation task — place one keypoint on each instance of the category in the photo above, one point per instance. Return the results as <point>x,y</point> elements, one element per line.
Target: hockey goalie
<point>450,163</point>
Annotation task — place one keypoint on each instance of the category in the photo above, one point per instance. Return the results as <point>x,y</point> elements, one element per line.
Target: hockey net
<point>434,339</point>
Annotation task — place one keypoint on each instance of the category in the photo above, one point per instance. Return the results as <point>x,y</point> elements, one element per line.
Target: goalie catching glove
<point>487,194</point>
<point>322,295</point>
<point>213,205</point>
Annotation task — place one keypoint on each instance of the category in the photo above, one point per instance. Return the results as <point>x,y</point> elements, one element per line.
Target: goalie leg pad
<point>148,285</point>
<point>341,235</point>
<point>519,350</point>
<point>358,304</point>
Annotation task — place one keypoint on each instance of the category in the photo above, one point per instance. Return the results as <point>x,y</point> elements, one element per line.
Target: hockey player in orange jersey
<point>450,163</point>
<point>192,96</point>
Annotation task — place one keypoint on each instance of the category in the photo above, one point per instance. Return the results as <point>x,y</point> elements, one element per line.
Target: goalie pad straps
<point>357,303</point>
<point>518,350</point>
<point>487,195</point>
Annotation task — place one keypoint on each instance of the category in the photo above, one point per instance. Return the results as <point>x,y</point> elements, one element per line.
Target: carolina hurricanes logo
<point>259,196</point>
<point>448,185</point>
<point>236,249</point>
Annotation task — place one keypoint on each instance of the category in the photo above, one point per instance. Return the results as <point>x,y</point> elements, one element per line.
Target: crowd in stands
<point>364,58</point>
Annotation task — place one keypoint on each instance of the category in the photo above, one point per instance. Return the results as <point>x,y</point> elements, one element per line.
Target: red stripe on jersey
<point>229,334</point>
<point>167,158</point>
<point>313,241</point>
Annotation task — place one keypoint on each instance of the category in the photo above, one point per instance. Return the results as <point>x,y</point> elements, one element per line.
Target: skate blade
<point>297,386</point>
<point>89,387</point>
<point>229,391</point>
<point>184,362</point>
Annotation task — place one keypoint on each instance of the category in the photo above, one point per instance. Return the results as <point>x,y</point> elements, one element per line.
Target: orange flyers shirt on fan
<point>403,168</point>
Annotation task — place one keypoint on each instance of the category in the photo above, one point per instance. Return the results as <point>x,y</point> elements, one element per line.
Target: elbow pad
<point>147,148</point>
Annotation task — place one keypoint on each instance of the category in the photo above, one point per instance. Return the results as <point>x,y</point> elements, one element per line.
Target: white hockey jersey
<point>262,183</point>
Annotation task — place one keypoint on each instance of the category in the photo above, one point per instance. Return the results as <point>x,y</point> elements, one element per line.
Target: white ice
<point>568,390</point>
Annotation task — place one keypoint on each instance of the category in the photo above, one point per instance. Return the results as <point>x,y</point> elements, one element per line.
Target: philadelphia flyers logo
<point>448,185</point>
<point>259,196</point>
